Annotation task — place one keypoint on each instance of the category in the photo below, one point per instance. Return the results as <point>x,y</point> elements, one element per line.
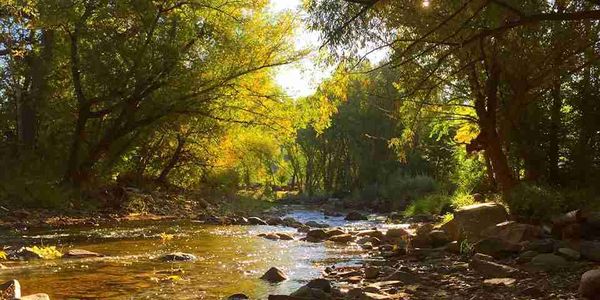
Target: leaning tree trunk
<point>173,161</point>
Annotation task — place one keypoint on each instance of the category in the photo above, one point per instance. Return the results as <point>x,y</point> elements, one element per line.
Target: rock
<point>178,256</point>
<point>335,232</point>
<point>403,276</point>
<point>541,246</point>
<point>496,247</point>
<point>291,222</point>
<point>309,293</point>
<point>470,221</point>
<point>367,239</point>
<point>40,296</point>
<point>316,235</point>
<point>527,256</point>
<point>304,229</point>
<point>533,292</point>
<point>421,241</point>
<point>316,224</point>
<point>321,284</point>
<point>548,262</point>
<point>569,253</point>
<point>395,233</point>
<point>274,221</point>
<point>355,216</point>
<point>453,247</point>
<point>238,297</point>
<point>284,297</point>
<point>500,281</point>
<point>256,221</point>
<point>80,253</point>
<point>371,233</point>
<point>342,238</point>
<point>372,272</point>
<point>513,232</point>
<point>484,265</point>
<point>285,236</point>
<point>10,290</point>
<point>438,238</point>
<point>589,287</point>
<point>354,279</point>
<point>425,229</point>
<point>331,213</point>
<point>274,275</point>
<point>590,250</point>
<point>269,236</point>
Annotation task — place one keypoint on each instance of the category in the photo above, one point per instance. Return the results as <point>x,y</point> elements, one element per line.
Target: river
<point>231,260</point>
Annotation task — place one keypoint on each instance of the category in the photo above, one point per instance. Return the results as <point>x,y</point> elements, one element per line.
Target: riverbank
<point>359,256</point>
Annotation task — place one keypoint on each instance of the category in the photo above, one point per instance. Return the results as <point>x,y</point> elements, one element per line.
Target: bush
<point>535,202</point>
<point>431,204</point>
<point>409,188</point>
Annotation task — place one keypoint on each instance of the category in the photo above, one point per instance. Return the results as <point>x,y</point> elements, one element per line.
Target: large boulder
<point>513,232</point>
<point>355,216</point>
<point>470,221</point>
<point>548,262</point>
<point>496,247</point>
<point>274,275</point>
<point>589,287</point>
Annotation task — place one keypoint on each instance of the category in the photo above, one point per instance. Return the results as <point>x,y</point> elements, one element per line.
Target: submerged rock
<point>316,224</point>
<point>274,275</point>
<point>316,235</point>
<point>355,216</point>
<point>238,297</point>
<point>178,256</point>
<point>589,287</point>
<point>80,253</point>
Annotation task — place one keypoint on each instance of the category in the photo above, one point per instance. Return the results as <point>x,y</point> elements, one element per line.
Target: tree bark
<point>173,161</point>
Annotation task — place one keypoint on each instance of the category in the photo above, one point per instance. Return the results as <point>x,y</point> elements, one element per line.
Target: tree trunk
<point>553,134</point>
<point>173,161</point>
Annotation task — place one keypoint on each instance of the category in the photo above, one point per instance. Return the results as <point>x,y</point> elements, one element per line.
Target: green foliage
<point>535,201</point>
<point>429,205</point>
<point>49,252</point>
<point>408,188</point>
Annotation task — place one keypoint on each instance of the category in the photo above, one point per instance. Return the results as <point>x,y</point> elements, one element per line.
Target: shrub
<point>536,202</point>
<point>431,204</point>
<point>409,188</point>
<point>461,199</point>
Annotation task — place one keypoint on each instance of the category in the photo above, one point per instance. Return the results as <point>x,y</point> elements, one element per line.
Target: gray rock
<point>527,256</point>
<point>589,287</point>
<point>309,293</point>
<point>316,235</point>
<point>238,297</point>
<point>355,216</point>
<point>316,224</point>
<point>548,262</point>
<point>321,284</point>
<point>484,265</point>
<point>569,253</point>
<point>590,250</point>
<point>541,246</point>
<point>496,247</point>
<point>178,256</point>
<point>439,238</point>
<point>274,275</point>
<point>256,221</point>
<point>274,221</point>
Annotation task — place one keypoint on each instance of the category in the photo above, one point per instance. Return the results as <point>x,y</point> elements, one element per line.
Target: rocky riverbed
<point>291,253</point>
